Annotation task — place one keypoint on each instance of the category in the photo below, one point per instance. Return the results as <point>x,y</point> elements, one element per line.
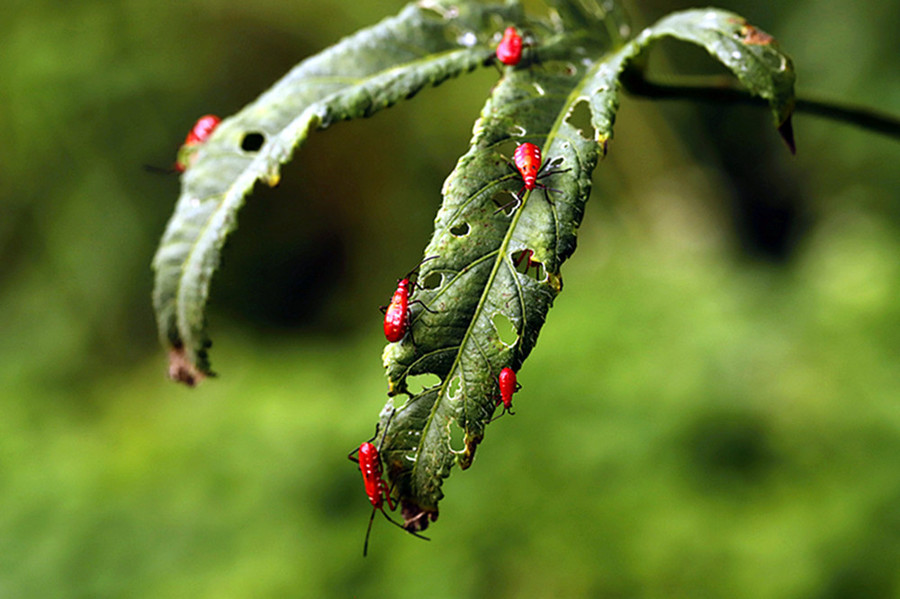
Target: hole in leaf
<point>524,263</point>
<point>252,142</point>
<point>580,118</point>
<point>506,331</point>
<point>432,281</point>
<point>508,201</point>
<point>556,162</point>
<point>507,148</point>
<point>455,386</point>
<point>418,383</point>
<point>457,437</point>
<point>460,229</point>
<point>398,402</point>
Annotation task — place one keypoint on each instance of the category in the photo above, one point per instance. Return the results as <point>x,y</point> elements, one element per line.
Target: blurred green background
<point>713,408</point>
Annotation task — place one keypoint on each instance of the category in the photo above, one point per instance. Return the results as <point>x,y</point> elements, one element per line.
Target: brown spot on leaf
<point>603,140</point>
<point>465,458</point>
<point>752,36</point>
<point>181,370</point>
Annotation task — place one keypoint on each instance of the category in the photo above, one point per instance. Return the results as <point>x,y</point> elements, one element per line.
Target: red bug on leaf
<point>198,134</point>
<point>202,129</point>
<point>527,162</point>
<point>509,50</point>
<point>396,313</point>
<point>373,480</point>
<point>508,386</point>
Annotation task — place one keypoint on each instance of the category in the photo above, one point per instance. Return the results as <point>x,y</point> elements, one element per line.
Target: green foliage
<point>475,285</point>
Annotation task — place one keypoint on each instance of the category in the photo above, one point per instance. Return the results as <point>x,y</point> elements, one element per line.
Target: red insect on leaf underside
<point>508,386</point>
<point>509,50</point>
<point>375,486</point>
<point>396,313</point>
<point>198,134</point>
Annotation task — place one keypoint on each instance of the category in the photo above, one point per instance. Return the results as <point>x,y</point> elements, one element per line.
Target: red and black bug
<point>396,313</point>
<point>509,50</point>
<point>198,134</point>
<point>375,486</point>
<point>202,129</point>
<point>508,386</point>
<point>527,162</point>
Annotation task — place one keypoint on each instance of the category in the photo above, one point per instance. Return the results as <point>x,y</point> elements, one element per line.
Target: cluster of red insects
<point>527,162</point>
<point>369,459</point>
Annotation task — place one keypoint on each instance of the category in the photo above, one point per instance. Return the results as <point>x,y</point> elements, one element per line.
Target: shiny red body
<point>376,487</point>
<point>507,381</point>
<point>527,159</point>
<point>370,466</point>
<point>509,50</point>
<point>198,134</point>
<point>203,128</point>
<point>396,317</point>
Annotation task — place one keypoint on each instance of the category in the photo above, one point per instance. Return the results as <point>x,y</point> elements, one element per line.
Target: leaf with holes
<point>496,265</point>
<point>425,44</point>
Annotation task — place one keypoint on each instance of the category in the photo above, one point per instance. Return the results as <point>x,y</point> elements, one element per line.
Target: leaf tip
<point>182,370</point>
<point>786,130</point>
<point>416,518</point>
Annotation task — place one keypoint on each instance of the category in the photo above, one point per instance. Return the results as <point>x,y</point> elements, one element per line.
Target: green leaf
<point>473,287</point>
<point>425,44</point>
<point>749,53</point>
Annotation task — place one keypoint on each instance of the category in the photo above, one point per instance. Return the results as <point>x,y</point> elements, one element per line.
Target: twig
<point>722,91</point>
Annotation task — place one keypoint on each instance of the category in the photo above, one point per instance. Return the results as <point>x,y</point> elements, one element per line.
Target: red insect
<point>200,132</point>
<point>373,480</point>
<point>203,128</point>
<point>509,50</point>
<point>396,314</point>
<point>508,386</point>
<point>527,161</point>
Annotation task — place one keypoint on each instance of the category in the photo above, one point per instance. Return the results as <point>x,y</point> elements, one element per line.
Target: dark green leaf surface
<point>750,54</point>
<point>474,283</point>
<point>373,69</point>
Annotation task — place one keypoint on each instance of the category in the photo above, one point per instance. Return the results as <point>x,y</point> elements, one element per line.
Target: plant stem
<point>721,90</point>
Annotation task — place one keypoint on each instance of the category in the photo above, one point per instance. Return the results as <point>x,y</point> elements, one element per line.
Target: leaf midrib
<point>501,254</point>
